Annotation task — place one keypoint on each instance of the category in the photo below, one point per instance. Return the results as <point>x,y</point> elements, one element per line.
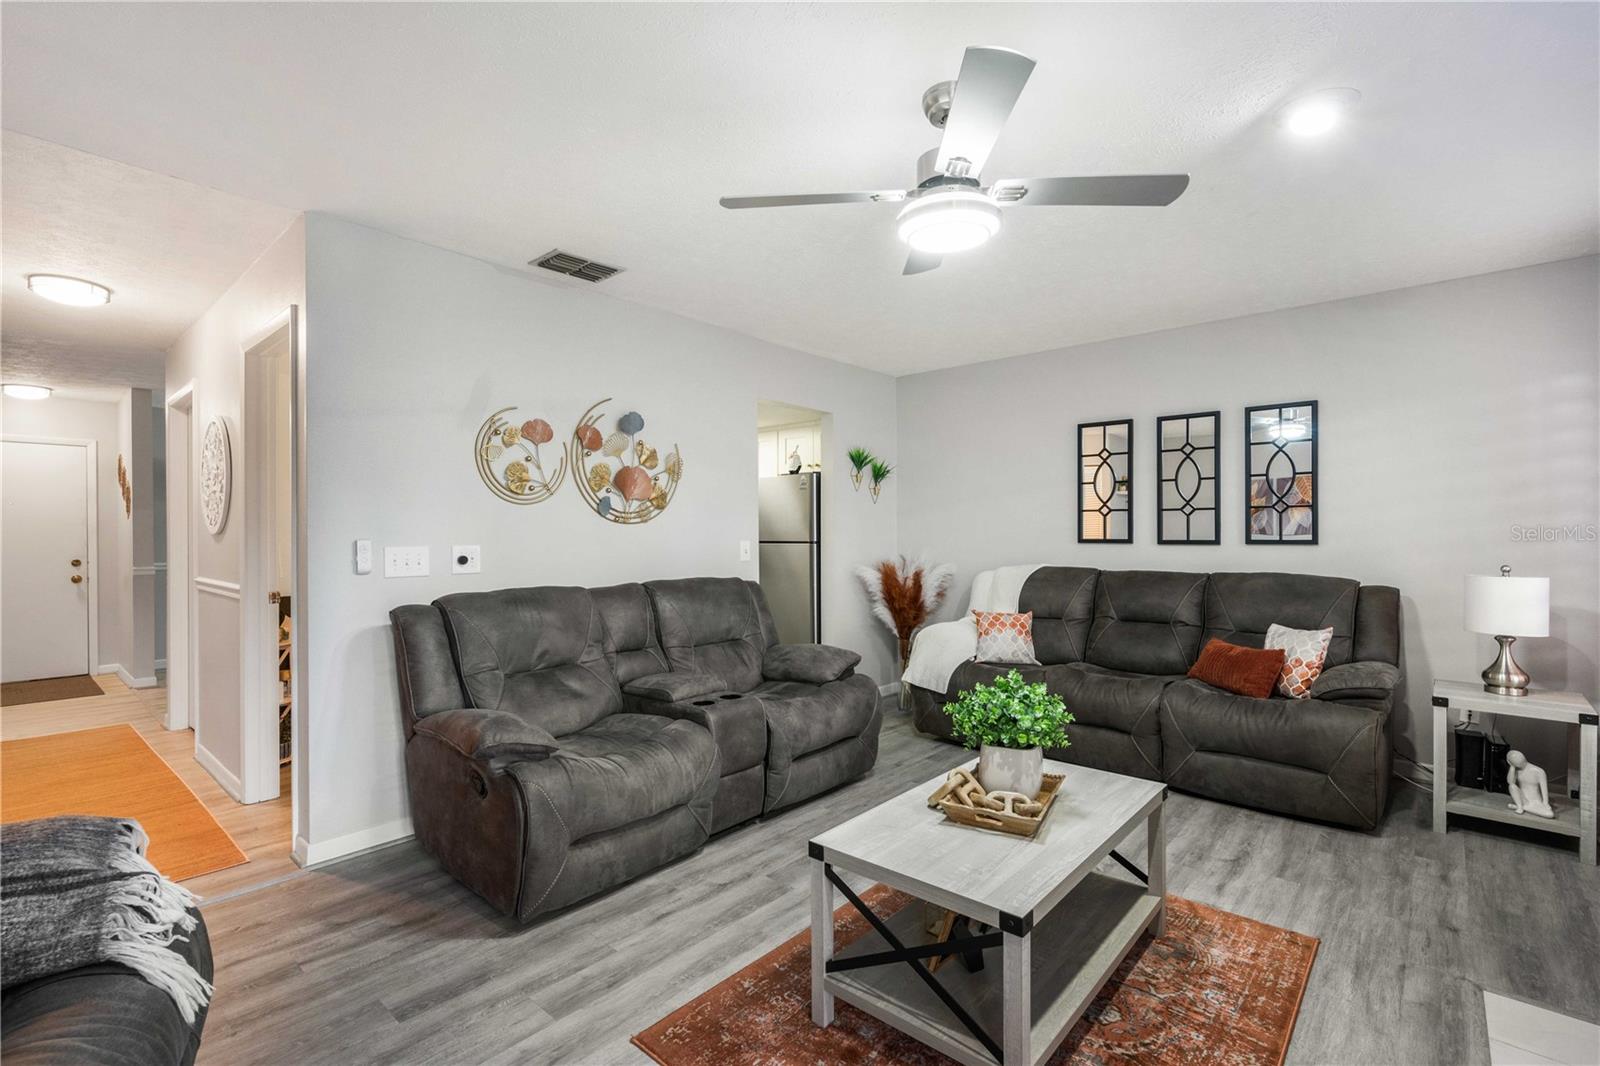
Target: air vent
<point>574,266</point>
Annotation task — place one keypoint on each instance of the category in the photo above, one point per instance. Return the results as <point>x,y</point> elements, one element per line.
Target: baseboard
<point>322,852</point>
<point>890,689</point>
<point>109,668</point>
<point>135,682</point>
<point>230,784</point>
<point>160,664</point>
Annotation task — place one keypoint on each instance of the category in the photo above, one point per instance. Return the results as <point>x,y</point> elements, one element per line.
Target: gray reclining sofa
<point>1117,644</point>
<point>562,741</point>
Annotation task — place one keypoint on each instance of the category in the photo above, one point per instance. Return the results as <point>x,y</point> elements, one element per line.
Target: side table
<point>1567,708</point>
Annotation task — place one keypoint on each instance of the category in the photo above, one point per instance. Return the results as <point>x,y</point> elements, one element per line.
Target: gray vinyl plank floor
<point>385,958</point>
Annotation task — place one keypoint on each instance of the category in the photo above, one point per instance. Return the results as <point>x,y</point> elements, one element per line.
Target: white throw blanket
<point>943,646</point>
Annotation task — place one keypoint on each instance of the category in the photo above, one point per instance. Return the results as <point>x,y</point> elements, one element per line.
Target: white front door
<point>44,523</point>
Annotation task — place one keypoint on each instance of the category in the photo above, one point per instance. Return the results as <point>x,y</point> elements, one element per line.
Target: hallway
<point>262,830</point>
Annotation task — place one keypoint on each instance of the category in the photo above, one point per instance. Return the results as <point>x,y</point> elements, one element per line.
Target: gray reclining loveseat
<point>562,741</point>
<point>1117,644</point>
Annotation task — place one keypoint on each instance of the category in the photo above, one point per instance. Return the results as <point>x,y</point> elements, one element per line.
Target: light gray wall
<point>210,354</point>
<point>1451,415</point>
<point>408,349</point>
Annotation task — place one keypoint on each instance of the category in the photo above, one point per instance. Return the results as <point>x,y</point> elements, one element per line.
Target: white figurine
<point>1530,790</point>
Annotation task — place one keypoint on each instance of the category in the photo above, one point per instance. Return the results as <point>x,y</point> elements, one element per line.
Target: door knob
<point>77,579</point>
<point>77,562</point>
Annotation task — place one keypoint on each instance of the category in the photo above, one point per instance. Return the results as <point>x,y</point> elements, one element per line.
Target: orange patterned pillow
<point>1005,638</point>
<point>1304,651</point>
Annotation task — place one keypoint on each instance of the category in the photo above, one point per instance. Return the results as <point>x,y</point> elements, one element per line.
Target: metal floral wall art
<point>622,478</point>
<point>509,461</point>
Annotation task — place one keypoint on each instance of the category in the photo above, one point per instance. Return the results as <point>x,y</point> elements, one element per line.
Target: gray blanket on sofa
<point>78,890</point>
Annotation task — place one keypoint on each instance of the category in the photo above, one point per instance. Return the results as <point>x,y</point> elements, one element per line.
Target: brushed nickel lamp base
<point>1503,676</point>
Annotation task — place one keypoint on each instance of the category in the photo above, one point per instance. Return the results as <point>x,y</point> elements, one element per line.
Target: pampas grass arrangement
<point>904,594</point>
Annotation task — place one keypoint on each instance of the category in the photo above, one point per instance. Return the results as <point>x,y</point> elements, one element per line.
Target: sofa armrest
<point>1356,681</point>
<point>487,735</point>
<point>813,664</point>
<point>672,686</point>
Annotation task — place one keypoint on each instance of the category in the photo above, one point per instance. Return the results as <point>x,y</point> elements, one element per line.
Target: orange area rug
<point>113,771</point>
<point>1216,989</point>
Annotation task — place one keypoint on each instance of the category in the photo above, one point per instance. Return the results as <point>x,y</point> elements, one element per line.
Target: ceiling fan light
<point>74,292</point>
<point>946,222</point>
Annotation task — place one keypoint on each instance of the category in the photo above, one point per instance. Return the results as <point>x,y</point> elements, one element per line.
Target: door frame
<point>258,618</point>
<point>91,459</point>
<point>182,679</point>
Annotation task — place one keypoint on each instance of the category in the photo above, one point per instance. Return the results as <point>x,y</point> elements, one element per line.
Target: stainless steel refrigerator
<point>791,553</point>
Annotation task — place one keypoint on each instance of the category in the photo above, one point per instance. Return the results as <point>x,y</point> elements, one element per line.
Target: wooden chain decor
<point>964,800</point>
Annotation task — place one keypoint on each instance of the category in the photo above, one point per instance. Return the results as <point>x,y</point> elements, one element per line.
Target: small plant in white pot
<point>1010,721</point>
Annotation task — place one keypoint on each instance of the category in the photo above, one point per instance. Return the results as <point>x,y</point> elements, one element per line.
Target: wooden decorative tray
<point>963,800</point>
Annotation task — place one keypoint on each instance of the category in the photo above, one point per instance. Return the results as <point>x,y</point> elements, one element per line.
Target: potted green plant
<point>859,458</point>
<point>880,472</point>
<point>1010,721</point>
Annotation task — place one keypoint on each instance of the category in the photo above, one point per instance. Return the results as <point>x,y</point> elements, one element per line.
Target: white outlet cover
<point>466,559</point>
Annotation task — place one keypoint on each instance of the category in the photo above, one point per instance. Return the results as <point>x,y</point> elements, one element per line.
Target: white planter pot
<point>1011,769</point>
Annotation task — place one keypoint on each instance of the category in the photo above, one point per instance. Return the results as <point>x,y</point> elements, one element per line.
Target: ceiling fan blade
<point>987,88</point>
<point>921,262</point>
<point>882,196</point>
<point>1129,190</point>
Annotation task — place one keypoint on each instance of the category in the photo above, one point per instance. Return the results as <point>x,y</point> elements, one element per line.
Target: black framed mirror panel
<point>1187,480</point>
<point>1105,482</point>
<point>1281,496</point>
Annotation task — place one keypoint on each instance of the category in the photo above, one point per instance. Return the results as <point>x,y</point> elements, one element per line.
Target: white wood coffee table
<point>1062,927</point>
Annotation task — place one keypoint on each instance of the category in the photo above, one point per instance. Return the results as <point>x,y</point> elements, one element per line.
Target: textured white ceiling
<point>166,248</point>
<point>610,130</point>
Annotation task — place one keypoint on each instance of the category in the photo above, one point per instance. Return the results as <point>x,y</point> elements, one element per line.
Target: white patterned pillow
<point>1004,637</point>
<point>1303,653</point>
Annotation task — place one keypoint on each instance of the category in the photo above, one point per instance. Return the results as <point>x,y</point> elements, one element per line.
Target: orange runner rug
<point>1217,989</point>
<point>113,771</point>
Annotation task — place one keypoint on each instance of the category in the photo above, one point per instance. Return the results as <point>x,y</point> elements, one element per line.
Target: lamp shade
<point>1508,606</point>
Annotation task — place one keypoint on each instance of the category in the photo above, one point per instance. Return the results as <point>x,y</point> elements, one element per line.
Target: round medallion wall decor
<point>216,475</point>
<point>509,461</point>
<point>621,477</point>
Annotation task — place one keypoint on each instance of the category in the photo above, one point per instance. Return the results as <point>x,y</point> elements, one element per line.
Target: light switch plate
<point>363,557</point>
<point>405,562</point>
<point>744,551</point>
<point>466,559</point>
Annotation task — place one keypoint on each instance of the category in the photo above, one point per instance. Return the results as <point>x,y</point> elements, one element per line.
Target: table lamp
<point>1506,608</point>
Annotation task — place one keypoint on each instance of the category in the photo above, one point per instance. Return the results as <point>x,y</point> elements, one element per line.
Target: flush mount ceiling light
<point>949,220</point>
<point>1316,114</point>
<point>26,392</point>
<point>1287,431</point>
<point>74,292</point>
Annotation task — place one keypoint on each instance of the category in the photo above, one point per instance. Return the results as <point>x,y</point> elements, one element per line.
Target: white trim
<point>135,682</point>
<point>351,844</point>
<point>160,664</point>
<point>145,571</point>
<point>256,506</point>
<point>217,587</point>
<point>181,595</point>
<point>213,766</point>
<point>890,689</point>
<point>109,668</point>
<point>91,521</point>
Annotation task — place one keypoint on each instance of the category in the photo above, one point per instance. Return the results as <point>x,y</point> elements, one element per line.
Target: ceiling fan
<point>950,210</point>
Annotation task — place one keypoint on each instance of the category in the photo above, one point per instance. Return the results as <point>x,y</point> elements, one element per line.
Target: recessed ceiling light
<point>1316,114</point>
<point>26,392</point>
<point>75,292</point>
<point>949,220</point>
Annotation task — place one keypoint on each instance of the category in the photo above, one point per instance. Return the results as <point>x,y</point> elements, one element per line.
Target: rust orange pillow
<point>1235,668</point>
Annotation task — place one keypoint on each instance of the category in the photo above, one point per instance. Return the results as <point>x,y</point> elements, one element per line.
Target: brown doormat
<point>47,689</point>
<point>113,771</point>
<point>1216,989</point>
